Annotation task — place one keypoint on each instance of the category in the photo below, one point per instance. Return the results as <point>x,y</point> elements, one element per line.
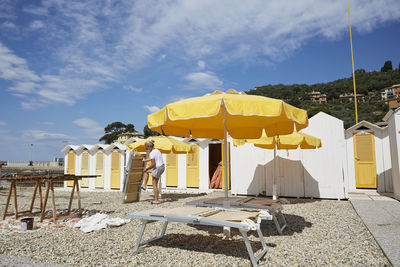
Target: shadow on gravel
<point>295,224</point>
<point>170,197</point>
<point>209,244</point>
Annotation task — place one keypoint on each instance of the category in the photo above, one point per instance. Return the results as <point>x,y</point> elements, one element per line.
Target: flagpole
<point>352,63</point>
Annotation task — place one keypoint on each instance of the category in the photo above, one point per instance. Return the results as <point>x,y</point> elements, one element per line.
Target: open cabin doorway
<point>214,157</point>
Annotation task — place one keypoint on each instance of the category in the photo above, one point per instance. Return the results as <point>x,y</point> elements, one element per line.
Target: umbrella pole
<point>225,156</point>
<point>274,187</point>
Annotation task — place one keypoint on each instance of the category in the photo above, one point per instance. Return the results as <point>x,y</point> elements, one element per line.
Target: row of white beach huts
<point>363,156</point>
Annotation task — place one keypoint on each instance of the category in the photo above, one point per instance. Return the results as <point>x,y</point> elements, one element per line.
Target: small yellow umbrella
<point>163,143</point>
<point>290,141</point>
<point>217,114</point>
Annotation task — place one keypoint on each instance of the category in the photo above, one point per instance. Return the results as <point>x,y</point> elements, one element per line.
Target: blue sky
<point>68,68</point>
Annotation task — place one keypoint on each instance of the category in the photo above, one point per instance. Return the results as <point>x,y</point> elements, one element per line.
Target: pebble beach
<point>319,232</point>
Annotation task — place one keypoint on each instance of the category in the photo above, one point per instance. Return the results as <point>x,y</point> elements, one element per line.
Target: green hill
<point>370,84</point>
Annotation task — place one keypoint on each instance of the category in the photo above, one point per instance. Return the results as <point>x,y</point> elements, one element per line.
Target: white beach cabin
<point>319,173</point>
<point>368,157</point>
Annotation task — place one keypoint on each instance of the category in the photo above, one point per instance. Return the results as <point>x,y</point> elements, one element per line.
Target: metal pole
<point>30,155</point>
<point>274,189</point>
<point>352,63</point>
<point>225,154</point>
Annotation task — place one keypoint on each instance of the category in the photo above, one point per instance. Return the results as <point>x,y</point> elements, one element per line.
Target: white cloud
<point>151,108</point>
<point>2,123</point>
<point>47,123</point>
<point>3,131</point>
<point>8,24</point>
<point>14,68</point>
<point>7,9</point>
<point>43,135</point>
<point>37,24</point>
<point>95,43</point>
<point>91,128</point>
<point>201,64</point>
<point>203,81</point>
<point>40,11</point>
<point>162,57</point>
<point>133,89</point>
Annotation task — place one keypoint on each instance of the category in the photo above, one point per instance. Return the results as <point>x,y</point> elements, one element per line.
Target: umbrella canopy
<point>217,114</point>
<point>246,116</point>
<point>163,143</point>
<point>290,141</point>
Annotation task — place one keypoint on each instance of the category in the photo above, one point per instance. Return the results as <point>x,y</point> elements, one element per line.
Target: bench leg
<point>144,224</point>
<point>276,217</point>
<point>283,219</point>
<point>254,258</point>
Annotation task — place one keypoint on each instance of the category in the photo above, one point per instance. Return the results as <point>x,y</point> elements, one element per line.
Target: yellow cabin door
<point>192,168</point>
<point>364,160</point>
<point>71,166</point>
<point>223,168</point>
<point>85,168</point>
<point>115,169</point>
<point>99,181</point>
<point>172,170</point>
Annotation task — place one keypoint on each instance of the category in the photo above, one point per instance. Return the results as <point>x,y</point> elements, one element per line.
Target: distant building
<point>317,97</point>
<point>123,137</point>
<point>350,97</point>
<point>391,95</point>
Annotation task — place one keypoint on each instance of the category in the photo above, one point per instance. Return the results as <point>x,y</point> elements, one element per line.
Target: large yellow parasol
<point>217,114</point>
<point>290,141</point>
<point>163,143</point>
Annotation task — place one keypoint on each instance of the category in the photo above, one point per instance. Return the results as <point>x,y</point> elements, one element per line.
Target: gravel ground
<point>319,232</point>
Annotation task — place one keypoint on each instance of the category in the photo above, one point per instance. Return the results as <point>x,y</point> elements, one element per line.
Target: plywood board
<point>133,178</point>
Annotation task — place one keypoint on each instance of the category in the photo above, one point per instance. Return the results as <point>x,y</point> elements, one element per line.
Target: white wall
<point>247,169</point>
<point>204,177</point>
<point>320,173</point>
<point>325,169</point>
<point>394,128</point>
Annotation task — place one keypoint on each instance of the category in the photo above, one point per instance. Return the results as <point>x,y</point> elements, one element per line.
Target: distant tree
<point>148,132</point>
<point>112,131</point>
<point>360,71</point>
<point>399,68</point>
<point>387,66</point>
<point>314,110</point>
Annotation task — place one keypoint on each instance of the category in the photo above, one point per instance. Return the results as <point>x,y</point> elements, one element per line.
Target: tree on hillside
<point>387,66</point>
<point>148,132</point>
<point>112,131</point>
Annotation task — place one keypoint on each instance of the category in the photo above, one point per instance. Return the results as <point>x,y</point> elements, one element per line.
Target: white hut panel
<point>248,169</point>
<point>325,168</point>
<point>394,133</point>
<point>99,159</point>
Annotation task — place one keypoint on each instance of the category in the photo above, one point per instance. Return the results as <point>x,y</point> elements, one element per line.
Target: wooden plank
<point>53,201</point>
<point>45,203</point>
<point>78,196</point>
<point>71,198</point>
<point>7,202</point>
<point>15,200</point>
<point>34,195</point>
<point>233,216</point>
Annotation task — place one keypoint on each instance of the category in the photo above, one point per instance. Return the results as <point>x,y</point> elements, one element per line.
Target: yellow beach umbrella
<point>217,114</point>
<point>290,141</point>
<point>163,143</point>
